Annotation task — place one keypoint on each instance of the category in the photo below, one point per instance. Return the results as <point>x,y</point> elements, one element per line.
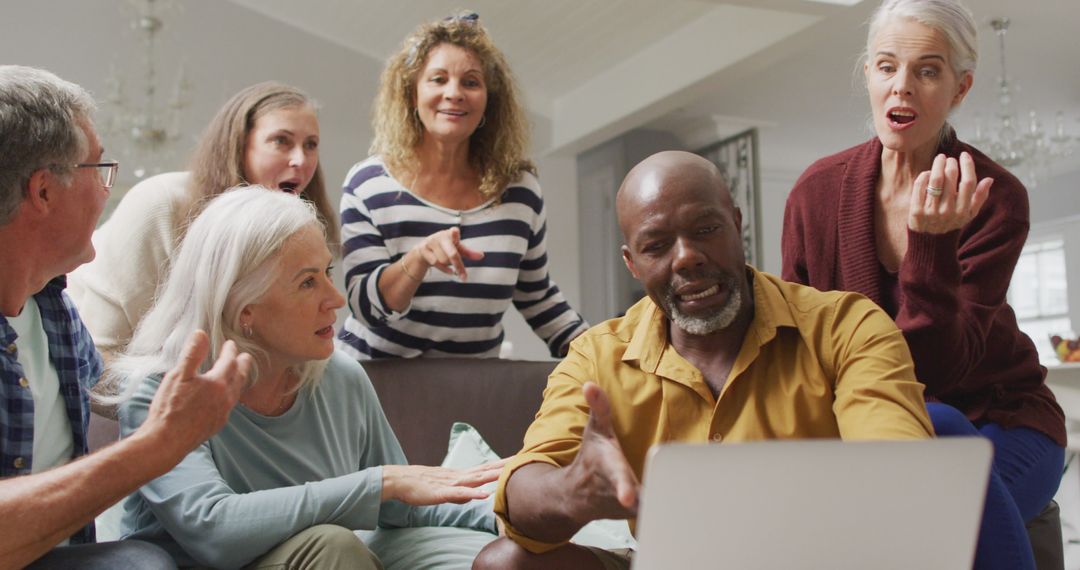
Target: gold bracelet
<point>405,269</point>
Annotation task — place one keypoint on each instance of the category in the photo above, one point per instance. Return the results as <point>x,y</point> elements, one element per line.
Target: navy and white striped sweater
<point>381,220</point>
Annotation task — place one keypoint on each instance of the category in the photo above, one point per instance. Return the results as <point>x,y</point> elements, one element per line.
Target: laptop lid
<point>813,504</point>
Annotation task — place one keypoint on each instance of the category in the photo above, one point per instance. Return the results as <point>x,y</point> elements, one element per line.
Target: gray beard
<point>721,319</point>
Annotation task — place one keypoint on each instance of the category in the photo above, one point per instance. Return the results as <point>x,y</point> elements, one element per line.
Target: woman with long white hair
<point>307,456</point>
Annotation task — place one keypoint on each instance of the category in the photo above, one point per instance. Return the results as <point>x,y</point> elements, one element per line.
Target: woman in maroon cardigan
<point>905,220</point>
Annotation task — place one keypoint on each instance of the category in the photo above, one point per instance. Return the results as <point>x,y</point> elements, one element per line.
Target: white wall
<point>775,186</point>
<point>1057,197</point>
<point>558,178</point>
<point>225,47</point>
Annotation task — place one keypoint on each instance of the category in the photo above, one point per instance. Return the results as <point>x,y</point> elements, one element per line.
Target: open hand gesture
<point>189,406</point>
<point>948,196</point>
<point>607,487</point>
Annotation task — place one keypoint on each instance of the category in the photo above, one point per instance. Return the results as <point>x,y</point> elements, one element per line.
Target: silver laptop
<point>813,504</point>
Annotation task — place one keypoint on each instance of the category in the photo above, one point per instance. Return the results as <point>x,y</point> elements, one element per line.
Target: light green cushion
<point>468,448</point>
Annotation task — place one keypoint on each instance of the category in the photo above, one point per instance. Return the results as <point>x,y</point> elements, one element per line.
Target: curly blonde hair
<point>497,150</point>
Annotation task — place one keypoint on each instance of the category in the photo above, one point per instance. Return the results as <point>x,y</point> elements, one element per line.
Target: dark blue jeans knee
<point>106,556</point>
<point>1023,478</point>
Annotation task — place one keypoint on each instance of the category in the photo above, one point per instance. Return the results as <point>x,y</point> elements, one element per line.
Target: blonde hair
<point>218,161</point>
<point>497,150</point>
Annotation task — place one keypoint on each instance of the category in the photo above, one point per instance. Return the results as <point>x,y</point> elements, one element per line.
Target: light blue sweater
<point>263,479</point>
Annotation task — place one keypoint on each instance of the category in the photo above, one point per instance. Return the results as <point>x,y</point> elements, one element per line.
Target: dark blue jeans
<point>106,556</point>
<point>1024,476</point>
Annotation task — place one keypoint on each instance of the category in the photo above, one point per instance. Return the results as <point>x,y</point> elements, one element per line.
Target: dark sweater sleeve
<point>808,243</point>
<point>793,240</point>
<point>953,286</point>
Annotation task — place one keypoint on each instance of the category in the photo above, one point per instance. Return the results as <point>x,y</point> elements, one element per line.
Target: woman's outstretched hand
<point>948,196</point>
<point>444,251</point>
<point>422,485</point>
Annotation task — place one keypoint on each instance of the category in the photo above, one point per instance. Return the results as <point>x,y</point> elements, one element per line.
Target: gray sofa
<point>422,398</point>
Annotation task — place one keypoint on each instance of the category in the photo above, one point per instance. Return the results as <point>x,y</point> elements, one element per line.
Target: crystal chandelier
<point>143,131</point>
<point>1012,144</point>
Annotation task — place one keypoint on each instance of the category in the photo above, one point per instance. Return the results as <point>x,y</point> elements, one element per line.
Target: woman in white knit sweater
<point>266,134</point>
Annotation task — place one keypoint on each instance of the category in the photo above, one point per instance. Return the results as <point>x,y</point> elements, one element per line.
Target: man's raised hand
<point>607,487</point>
<point>189,407</point>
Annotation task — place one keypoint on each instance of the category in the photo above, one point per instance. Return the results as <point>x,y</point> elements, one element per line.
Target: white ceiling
<point>590,69</point>
<point>545,41</point>
<point>597,68</point>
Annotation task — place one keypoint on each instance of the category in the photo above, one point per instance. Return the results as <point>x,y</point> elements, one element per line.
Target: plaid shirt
<point>78,367</point>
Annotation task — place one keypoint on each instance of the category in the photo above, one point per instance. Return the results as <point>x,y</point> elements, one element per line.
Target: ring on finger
<point>935,192</point>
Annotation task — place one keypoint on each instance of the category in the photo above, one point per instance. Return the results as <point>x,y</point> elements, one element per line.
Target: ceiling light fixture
<point>1017,146</point>
<point>144,130</point>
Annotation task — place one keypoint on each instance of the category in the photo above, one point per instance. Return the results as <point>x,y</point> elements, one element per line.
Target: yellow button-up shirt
<point>812,365</point>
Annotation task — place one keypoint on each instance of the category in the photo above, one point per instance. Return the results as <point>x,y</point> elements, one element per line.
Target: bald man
<point>717,351</point>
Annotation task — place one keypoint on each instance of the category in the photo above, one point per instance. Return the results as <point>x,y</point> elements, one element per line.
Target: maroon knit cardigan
<point>951,305</point>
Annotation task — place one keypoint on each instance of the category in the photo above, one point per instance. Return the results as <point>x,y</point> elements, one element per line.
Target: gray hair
<point>948,17</point>
<point>40,117</point>
<point>228,260</point>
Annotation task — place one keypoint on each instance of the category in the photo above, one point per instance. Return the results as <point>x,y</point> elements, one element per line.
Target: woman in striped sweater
<point>448,187</point>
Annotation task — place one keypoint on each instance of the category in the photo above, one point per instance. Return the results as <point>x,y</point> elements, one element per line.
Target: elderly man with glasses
<point>53,187</point>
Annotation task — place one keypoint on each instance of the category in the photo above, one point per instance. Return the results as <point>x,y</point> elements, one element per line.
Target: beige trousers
<point>321,547</point>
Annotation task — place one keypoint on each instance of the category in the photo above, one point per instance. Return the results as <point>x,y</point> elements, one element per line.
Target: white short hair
<point>948,17</point>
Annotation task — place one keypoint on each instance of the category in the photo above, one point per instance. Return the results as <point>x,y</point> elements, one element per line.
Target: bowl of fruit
<point>1066,350</point>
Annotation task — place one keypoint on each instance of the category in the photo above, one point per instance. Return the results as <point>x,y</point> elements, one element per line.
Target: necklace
<point>283,401</point>
<point>283,405</point>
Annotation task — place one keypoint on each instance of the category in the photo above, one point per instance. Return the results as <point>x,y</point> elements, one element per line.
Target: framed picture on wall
<point>737,159</point>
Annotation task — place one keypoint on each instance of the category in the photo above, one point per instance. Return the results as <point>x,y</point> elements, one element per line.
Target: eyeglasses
<point>106,171</point>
